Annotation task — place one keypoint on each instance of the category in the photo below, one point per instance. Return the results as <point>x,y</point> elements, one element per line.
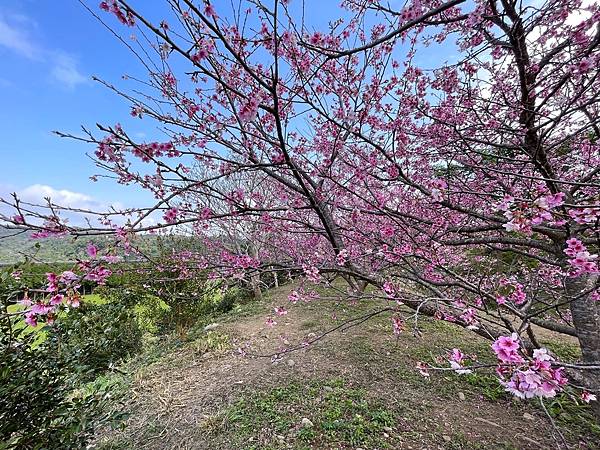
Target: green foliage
<point>150,312</point>
<point>212,341</point>
<point>341,416</point>
<point>575,417</point>
<point>167,304</point>
<point>231,297</point>
<point>38,407</point>
<point>42,404</point>
<point>97,336</point>
<point>54,249</point>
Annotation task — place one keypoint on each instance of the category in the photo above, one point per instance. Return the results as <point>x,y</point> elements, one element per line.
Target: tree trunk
<point>586,319</point>
<point>357,285</point>
<point>256,291</point>
<point>255,278</point>
<point>361,285</point>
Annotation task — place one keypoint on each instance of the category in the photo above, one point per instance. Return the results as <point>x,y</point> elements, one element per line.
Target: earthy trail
<point>190,399</point>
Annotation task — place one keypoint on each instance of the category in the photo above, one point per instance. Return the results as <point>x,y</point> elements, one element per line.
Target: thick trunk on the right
<point>586,319</point>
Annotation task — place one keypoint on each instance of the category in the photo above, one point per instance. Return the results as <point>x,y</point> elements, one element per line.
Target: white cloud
<point>65,70</point>
<point>75,208</point>
<point>69,204</point>
<point>37,192</point>
<point>67,201</point>
<point>576,17</point>
<point>16,39</point>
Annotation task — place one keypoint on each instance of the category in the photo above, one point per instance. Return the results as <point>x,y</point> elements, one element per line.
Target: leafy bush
<point>38,406</point>
<point>231,297</point>
<point>162,307</point>
<point>95,337</point>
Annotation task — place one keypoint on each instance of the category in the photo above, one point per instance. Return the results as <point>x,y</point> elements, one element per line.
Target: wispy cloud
<point>76,203</point>
<point>16,39</point>
<point>63,197</point>
<point>16,36</point>
<point>66,72</point>
<point>73,205</point>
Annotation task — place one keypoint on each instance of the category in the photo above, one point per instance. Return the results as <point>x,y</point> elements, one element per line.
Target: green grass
<point>574,418</point>
<point>565,351</point>
<point>212,341</point>
<point>342,416</point>
<point>94,299</point>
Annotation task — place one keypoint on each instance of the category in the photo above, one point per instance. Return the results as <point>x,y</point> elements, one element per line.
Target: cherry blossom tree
<point>445,153</point>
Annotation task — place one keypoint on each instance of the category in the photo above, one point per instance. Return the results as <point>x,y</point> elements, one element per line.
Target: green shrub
<point>231,297</point>
<point>38,406</point>
<point>212,341</point>
<point>95,337</point>
<point>163,302</point>
<point>151,313</point>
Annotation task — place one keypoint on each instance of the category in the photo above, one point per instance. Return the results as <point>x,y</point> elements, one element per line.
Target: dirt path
<point>181,402</point>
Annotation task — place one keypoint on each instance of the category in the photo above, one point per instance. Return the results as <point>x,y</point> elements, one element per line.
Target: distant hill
<point>14,246</point>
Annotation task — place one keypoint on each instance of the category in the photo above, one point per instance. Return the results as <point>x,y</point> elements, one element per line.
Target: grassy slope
<point>359,389</point>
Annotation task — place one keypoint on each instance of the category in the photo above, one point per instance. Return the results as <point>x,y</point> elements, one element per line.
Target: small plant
<point>486,385</point>
<point>212,341</point>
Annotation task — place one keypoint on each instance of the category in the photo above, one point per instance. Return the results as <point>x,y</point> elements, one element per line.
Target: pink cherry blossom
<point>588,397</point>
<point>92,250</point>
<point>170,215</point>
<point>280,311</point>
<point>507,349</point>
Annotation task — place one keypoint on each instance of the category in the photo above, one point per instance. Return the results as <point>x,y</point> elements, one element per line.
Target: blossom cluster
<point>580,258</point>
<point>62,289</point>
<point>457,362</point>
<point>527,378</point>
<point>124,16</point>
<point>47,308</point>
<point>523,215</point>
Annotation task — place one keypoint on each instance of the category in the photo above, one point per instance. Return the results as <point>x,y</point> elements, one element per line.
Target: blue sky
<point>49,51</point>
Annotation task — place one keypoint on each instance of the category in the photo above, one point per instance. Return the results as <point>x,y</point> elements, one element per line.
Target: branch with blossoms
<point>62,290</point>
<point>468,191</point>
<point>539,375</point>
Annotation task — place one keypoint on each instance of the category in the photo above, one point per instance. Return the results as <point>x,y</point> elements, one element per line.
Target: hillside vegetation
<point>356,389</point>
<point>15,246</point>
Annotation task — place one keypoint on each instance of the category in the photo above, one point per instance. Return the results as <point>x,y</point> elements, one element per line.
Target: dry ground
<point>359,389</point>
